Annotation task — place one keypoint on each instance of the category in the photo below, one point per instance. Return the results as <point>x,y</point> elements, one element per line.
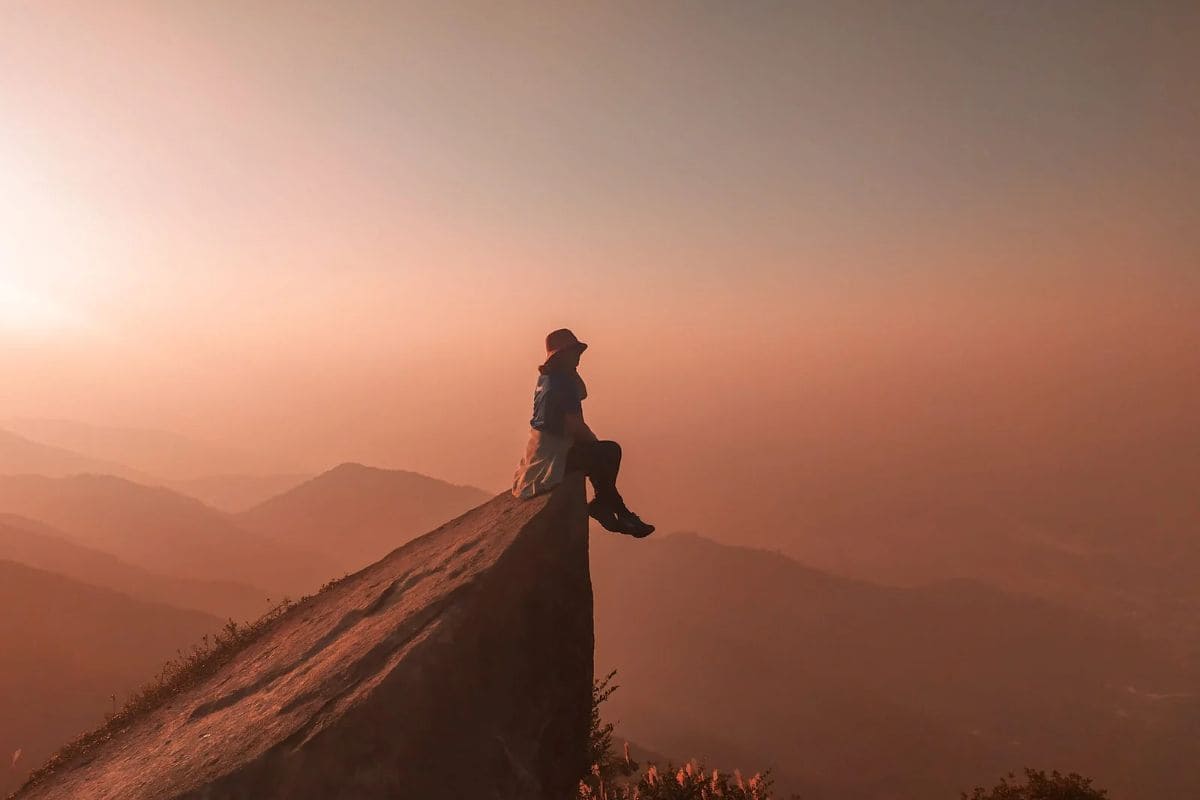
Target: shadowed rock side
<point>458,666</point>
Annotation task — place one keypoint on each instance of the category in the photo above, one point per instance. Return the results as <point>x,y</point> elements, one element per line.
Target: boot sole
<point>607,524</point>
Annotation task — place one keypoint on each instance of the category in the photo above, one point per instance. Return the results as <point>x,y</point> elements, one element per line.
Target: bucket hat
<point>561,341</point>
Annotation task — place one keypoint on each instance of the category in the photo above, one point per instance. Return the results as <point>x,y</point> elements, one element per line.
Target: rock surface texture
<point>459,666</point>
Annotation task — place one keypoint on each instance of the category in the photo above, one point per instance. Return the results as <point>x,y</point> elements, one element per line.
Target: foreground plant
<point>1040,786</point>
<point>692,781</point>
<point>619,777</point>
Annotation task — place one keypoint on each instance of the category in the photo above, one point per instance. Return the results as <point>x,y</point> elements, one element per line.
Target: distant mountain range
<point>67,648</point>
<point>851,688</point>
<point>22,456</point>
<point>167,455</point>
<point>160,530</point>
<point>334,523</point>
<point>236,493</point>
<point>34,544</point>
<point>354,514</point>
<point>1099,539</point>
<point>857,691</point>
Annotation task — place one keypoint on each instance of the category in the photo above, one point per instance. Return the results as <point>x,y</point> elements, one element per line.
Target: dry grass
<point>185,671</point>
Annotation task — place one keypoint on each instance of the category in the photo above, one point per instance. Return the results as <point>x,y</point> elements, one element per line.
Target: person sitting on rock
<point>560,441</point>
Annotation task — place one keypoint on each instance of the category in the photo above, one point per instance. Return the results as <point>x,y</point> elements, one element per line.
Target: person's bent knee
<point>612,450</point>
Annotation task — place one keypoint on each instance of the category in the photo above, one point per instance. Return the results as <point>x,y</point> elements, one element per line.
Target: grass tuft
<point>181,673</point>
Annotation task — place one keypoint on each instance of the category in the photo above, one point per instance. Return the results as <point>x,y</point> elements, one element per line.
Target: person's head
<point>563,350</point>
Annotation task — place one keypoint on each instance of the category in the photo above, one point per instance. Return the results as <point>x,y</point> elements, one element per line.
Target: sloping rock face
<point>459,666</point>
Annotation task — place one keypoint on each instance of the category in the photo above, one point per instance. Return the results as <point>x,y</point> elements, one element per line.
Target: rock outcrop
<point>459,666</point>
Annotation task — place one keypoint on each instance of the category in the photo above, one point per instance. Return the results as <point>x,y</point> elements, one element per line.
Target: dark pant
<point>600,461</point>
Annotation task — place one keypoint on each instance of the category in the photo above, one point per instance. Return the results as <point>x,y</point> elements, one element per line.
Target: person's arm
<point>576,428</point>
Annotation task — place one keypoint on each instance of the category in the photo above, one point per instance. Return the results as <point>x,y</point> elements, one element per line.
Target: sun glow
<point>22,309</point>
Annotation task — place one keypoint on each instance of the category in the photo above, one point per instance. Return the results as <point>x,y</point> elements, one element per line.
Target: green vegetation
<point>1039,786</point>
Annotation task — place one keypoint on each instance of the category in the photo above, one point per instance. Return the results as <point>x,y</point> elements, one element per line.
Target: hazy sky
<point>339,230</point>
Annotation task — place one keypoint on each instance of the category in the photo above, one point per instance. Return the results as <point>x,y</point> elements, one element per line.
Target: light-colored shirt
<point>544,464</point>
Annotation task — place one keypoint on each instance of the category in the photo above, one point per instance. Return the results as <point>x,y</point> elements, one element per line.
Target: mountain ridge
<point>355,514</point>
<point>156,528</point>
<point>20,455</point>
<point>40,546</point>
<point>166,454</point>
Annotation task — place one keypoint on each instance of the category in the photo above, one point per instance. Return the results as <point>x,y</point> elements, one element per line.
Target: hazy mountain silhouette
<point>237,493</point>
<point>1117,545</point>
<point>21,456</point>
<point>852,690</point>
<point>67,647</point>
<point>1116,535</point>
<point>168,455</point>
<point>34,544</point>
<point>160,530</point>
<point>459,666</point>
<point>858,691</point>
<point>355,514</point>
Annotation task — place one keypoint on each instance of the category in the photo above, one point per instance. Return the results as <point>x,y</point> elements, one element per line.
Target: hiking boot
<point>631,524</point>
<point>605,514</point>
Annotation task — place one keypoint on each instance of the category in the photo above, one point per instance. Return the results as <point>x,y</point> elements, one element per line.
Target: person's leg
<point>600,461</point>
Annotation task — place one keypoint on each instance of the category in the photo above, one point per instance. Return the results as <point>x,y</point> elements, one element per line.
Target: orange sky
<point>796,237</point>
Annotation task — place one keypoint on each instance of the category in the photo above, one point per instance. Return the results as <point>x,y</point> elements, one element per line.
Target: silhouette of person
<point>560,441</point>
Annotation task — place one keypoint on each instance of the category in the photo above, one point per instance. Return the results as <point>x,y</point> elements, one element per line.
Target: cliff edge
<point>460,665</point>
